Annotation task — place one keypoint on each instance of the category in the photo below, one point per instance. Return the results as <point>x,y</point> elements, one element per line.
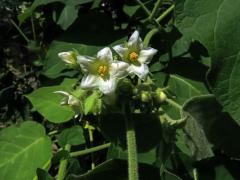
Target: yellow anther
<point>133,56</point>
<point>102,70</point>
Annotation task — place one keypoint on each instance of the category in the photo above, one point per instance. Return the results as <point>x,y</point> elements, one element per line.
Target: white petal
<point>107,86</point>
<point>146,55</point>
<point>105,54</point>
<point>64,93</point>
<point>141,71</point>
<point>121,50</point>
<point>73,100</point>
<point>135,42</point>
<point>66,56</point>
<point>86,63</point>
<point>118,69</point>
<point>89,82</point>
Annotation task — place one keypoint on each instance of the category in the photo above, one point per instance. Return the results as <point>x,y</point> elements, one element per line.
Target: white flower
<point>68,57</point>
<point>101,72</point>
<point>68,99</point>
<point>137,56</point>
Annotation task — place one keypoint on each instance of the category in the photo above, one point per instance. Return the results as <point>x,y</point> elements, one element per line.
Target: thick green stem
<point>132,152</point>
<point>63,165</point>
<point>19,30</point>
<point>149,36</point>
<point>165,13</point>
<point>90,150</point>
<point>131,146</point>
<point>156,6</point>
<point>174,104</point>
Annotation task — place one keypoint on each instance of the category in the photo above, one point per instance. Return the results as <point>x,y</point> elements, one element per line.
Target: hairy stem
<point>90,150</point>
<point>19,30</point>
<point>156,6</point>
<point>63,165</point>
<point>131,146</point>
<point>165,13</point>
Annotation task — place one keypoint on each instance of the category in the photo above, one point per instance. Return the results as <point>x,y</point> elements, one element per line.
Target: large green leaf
<point>117,169</point>
<point>23,149</point>
<point>206,117</point>
<point>48,104</point>
<point>216,24</point>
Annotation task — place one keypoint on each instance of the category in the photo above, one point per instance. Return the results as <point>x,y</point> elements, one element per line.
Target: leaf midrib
<point>20,152</point>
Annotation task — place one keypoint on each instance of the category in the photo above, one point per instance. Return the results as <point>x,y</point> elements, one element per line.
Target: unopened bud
<point>160,96</point>
<point>145,96</point>
<point>69,58</point>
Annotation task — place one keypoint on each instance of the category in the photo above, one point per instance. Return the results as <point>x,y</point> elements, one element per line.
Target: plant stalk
<point>156,6</point>
<point>165,13</point>
<point>19,30</point>
<point>149,36</point>
<point>63,165</point>
<point>90,150</point>
<point>131,145</point>
<point>90,132</point>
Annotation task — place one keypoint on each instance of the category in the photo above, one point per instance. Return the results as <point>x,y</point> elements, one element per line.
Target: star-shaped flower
<point>102,72</point>
<point>136,55</point>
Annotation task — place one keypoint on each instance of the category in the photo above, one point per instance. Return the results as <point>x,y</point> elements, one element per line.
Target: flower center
<point>102,70</point>
<point>133,56</point>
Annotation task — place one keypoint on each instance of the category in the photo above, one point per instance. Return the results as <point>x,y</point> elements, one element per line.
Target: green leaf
<point>206,115</point>
<point>93,103</point>
<point>196,139</point>
<point>72,136</point>
<point>48,104</point>
<point>182,89</point>
<point>19,146</point>
<point>216,25</point>
<point>116,169</point>
<point>68,15</point>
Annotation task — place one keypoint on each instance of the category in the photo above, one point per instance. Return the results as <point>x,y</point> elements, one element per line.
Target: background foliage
<point>197,61</point>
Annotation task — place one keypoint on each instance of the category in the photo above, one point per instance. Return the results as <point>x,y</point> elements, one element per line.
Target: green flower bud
<point>146,96</point>
<point>160,96</point>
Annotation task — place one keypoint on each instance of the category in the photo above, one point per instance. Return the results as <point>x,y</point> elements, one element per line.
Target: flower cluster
<point>103,72</point>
